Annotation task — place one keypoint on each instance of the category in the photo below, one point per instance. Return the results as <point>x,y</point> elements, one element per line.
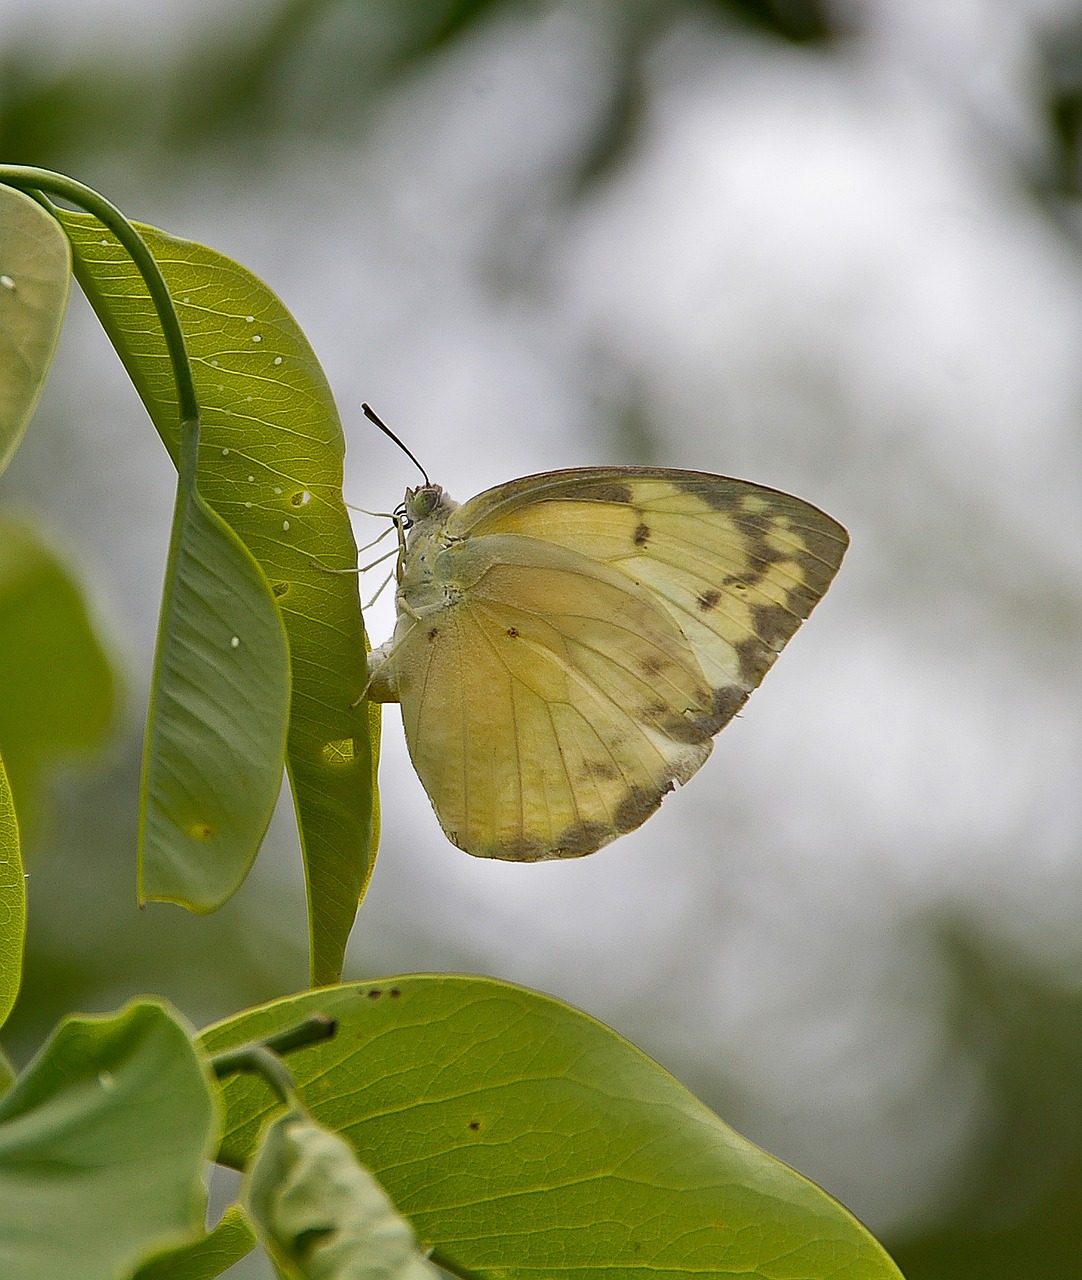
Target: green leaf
<point>57,685</point>
<point>271,466</point>
<point>102,1143</point>
<point>219,708</point>
<point>523,1139</point>
<point>12,902</point>
<point>321,1215</point>
<point>230,1240</point>
<point>35,278</point>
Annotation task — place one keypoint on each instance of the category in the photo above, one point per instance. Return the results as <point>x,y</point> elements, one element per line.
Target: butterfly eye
<point>423,501</point>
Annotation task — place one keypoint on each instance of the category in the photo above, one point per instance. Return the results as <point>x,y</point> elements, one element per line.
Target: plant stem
<point>37,182</point>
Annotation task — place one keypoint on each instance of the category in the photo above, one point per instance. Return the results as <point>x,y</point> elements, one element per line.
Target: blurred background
<point>833,247</point>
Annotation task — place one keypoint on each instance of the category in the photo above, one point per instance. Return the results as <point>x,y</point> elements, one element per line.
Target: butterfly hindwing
<point>551,706</point>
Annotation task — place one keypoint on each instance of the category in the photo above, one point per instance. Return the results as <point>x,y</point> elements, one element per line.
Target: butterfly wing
<point>552,705</point>
<point>737,565</point>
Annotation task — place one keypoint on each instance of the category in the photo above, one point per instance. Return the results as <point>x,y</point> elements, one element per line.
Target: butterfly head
<point>427,505</point>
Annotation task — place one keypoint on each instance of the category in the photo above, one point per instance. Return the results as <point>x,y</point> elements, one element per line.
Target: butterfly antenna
<point>373,416</point>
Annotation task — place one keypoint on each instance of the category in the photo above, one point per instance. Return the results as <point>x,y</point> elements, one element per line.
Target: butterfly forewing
<point>739,566</point>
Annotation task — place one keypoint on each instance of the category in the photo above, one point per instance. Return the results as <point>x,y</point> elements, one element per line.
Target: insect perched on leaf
<point>568,644</point>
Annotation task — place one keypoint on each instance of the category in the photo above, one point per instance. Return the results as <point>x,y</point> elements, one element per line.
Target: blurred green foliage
<point>57,684</point>
<point>1019,1214</point>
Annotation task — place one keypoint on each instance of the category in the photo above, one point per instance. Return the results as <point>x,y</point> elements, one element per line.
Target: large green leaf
<point>271,466</point>
<point>35,278</point>
<point>230,1240</point>
<point>525,1139</point>
<point>12,903</point>
<point>103,1141</point>
<point>219,712</point>
<point>57,684</point>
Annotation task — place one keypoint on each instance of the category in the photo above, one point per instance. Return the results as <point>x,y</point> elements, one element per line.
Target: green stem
<point>263,1057</point>
<point>312,1030</point>
<point>37,182</point>
<point>258,1060</point>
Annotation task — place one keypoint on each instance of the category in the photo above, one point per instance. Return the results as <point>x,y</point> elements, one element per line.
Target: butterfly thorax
<point>421,587</point>
<point>423,515</point>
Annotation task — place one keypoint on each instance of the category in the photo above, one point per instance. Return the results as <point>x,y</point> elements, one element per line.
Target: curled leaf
<point>322,1215</point>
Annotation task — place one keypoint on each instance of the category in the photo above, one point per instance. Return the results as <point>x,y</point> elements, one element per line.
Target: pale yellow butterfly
<point>568,644</point>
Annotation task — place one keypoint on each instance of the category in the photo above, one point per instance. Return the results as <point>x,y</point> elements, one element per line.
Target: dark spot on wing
<point>762,554</point>
<point>520,849</point>
<point>642,535</point>
<point>773,624</point>
<point>753,524</point>
<point>726,702</point>
<point>583,837</point>
<point>708,599</point>
<point>819,562</point>
<point>603,770</point>
<point>512,633</point>
<point>652,665</point>
<point>718,497</point>
<point>606,493</point>
<point>823,548</point>
<point>682,728</point>
<point>433,633</point>
<point>801,599</point>
<point>638,805</point>
<point>755,660</point>
<point>474,1125</point>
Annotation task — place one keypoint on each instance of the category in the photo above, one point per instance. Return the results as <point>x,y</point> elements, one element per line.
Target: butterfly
<point>567,644</point>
